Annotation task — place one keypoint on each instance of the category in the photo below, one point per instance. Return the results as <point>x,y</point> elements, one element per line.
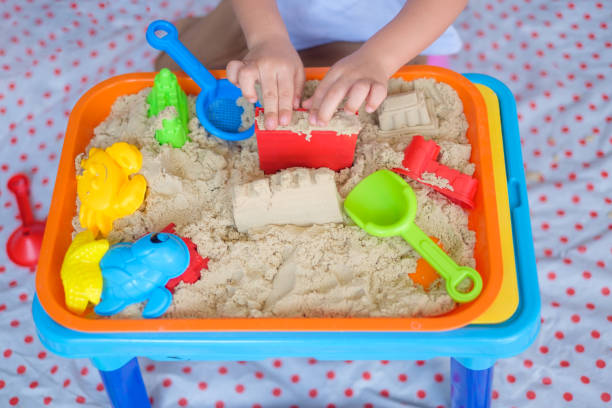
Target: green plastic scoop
<point>384,205</point>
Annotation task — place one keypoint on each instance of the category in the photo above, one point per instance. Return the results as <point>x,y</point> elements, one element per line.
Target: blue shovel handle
<point>181,55</point>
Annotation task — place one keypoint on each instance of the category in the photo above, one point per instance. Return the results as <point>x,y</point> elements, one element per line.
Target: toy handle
<point>179,53</point>
<point>444,265</point>
<point>19,185</point>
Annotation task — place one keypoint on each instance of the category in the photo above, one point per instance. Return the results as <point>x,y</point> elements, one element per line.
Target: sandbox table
<point>473,349</point>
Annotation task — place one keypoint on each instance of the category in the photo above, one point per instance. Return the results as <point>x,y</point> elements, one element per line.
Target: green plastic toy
<point>167,92</point>
<point>384,205</point>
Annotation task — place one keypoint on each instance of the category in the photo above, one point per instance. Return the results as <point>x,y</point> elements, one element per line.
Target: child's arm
<point>271,60</point>
<point>362,76</point>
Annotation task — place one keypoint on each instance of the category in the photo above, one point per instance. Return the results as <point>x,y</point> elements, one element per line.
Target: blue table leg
<point>124,385</point>
<point>470,388</point>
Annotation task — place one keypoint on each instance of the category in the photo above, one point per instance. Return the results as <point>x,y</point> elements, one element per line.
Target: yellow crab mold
<point>105,188</point>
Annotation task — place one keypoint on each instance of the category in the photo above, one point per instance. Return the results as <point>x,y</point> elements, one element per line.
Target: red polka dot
<point>220,404</point>
<point>546,381</point>
<point>575,318</point>
<point>530,394</point>
<point>182,402</point>
<point>295,378</point>
<point>312,393</point>
<point>277,363</point>
<point>276,392</point>
<point>348,392</point>
<point>421,394</point>
<point>80,399</point>
<point>579,348</point>
<point>330,375</point>
<point>528,363</point>
<point>34,384</point>
<point>259,375</point>
<point>495,394</point>
<point>222,370</point>
<point>605,397</point>
<point>239,388</point>
<point>202,385</point>
<point>564,363</point>
<point>511,379</point>
<point>568,396</point>
<point>438,377</point>
<point>47,400</point>
<point>14,401</point>
<point>585,379</point>
<point>167,382</point>
<point>366,375</point>
<point>600,363</point>
<point>384,393</point>
<point>21,369</point>
<point>402,378</point>
<point>186,370</point>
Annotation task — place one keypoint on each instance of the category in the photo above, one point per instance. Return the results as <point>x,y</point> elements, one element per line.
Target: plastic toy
<point>420,157</point>
<point>105,189</point>
<point>425,275</point>
<point>139,271</point>
<point>196,263</point>
<point>282,149</point>
<point>216,105</point>
<point>81,274</point>
<point>167,92</point>
<point>23,246</point>
<point>384,205</point>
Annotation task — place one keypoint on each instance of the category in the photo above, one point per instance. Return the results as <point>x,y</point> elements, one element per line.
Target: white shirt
<point>315,22</point>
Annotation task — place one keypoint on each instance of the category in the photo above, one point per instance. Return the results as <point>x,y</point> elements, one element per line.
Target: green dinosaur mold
<point>167,92</point>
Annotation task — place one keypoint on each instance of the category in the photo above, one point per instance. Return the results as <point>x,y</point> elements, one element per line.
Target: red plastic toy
<point>282,149</point>
<point>421,156</point>
<point>196,263</point>
<point>23,246</point>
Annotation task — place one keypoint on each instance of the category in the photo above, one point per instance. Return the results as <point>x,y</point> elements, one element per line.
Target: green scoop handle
<point>452,273</point>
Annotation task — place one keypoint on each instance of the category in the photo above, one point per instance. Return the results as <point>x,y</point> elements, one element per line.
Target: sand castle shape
<point>407,112</point>
<point>296,196</point>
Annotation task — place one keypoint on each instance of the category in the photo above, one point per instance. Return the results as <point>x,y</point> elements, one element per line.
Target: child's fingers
<point>298,83</point>
<point>315,100</point>
<point>247,76</point>
<point>269,89</point>
<point>232,70</point>
<point>329,103</point>
<point>357,94</point>
<point>285,96</point>
<point>378,93</point>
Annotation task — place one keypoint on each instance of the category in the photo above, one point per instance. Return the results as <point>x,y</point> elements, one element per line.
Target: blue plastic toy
<point>216,104</point>
<point>135,272</point>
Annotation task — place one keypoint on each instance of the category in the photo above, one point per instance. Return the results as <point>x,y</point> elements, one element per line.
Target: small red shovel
<point>23,246</point>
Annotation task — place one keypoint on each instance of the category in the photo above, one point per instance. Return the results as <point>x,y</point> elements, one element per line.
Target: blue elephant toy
<point>135,272</point>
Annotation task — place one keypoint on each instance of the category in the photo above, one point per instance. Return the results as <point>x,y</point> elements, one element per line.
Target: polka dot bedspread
<point>555,56</point>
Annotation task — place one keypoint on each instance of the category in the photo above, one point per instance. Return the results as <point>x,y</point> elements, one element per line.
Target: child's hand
<point>279,70</point>
<point>359,77</point>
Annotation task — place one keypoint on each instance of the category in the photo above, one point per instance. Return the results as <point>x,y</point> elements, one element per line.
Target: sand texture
<point>333,269</point>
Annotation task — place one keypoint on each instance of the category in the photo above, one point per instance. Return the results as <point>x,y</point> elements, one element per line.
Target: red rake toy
<point>282,149</point>
<point>23,246</point>
<point>421,157</point>
<point>196,263</point>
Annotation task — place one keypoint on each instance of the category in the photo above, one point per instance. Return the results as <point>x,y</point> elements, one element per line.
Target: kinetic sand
<point>333,269</point>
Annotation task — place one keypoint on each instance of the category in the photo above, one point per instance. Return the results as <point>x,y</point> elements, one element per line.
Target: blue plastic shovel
<point>216,104</point>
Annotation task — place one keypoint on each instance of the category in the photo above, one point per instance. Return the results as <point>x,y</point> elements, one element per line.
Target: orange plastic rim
<point>94,107</point>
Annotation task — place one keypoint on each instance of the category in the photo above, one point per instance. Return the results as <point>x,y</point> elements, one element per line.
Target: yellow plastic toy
<point>105,189</point>
<point>81,274</point>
